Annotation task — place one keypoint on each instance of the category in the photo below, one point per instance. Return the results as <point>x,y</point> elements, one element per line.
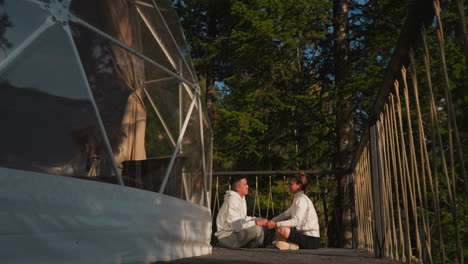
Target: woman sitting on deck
<point>300,215</point>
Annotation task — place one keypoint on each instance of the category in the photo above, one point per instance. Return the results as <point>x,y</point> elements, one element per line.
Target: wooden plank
<point>273,255</point>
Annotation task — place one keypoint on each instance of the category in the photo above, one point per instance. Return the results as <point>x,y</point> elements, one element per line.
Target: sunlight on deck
<point>273,255</point>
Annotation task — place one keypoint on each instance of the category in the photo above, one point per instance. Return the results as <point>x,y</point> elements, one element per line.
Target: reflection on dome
<point>102,90</point>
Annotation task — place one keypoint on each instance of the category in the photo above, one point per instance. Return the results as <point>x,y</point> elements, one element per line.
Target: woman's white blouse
<point>300,215</point>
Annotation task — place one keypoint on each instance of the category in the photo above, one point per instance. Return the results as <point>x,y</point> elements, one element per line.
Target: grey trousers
<point>251,237</point>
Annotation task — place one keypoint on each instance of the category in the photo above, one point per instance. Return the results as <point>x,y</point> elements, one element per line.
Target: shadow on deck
<point>273,255</point>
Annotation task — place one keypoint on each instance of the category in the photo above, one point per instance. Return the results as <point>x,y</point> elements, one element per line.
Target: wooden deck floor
<point>273,255</point>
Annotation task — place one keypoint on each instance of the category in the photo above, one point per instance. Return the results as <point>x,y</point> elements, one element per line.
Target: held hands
<point>261,222</point>
<point>271,224</point>
<point>265,222</point>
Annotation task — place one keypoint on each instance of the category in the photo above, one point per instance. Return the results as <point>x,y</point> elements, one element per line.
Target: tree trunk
<point>463,35</point>
<point>210,97</point>
<point>342,222</point>
<point>210,69</point>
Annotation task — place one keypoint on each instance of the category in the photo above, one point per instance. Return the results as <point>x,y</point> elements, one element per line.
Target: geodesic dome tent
<point>102,90</point>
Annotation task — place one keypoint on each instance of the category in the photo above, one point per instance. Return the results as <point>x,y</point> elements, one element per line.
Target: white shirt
<point>232,217</point>
<point>301,215</point>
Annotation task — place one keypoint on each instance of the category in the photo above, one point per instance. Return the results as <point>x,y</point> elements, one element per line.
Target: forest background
<point>289,84</point>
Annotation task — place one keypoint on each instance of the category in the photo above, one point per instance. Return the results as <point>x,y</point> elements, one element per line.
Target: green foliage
<point>277,99</point>
<point>241,132</point>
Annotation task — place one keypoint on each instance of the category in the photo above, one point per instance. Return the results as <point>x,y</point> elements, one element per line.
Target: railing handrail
<point>420,13</point>
<point>277,172</point>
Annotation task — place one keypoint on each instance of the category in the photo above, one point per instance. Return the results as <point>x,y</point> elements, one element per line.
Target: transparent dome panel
<point>208,143</point>
<point>187,96</point>
<point>192,150</point>
<point>167,40</point>
<point>173,22</point>
<point>51,125</point>
<point>130,23</point>
<point>52,50</point>
<point>125,96</point>
<point>18,20</point>
<point>158,142</point>
<point>162,130</point>
<point>115,78</point>
<point>165,95</point>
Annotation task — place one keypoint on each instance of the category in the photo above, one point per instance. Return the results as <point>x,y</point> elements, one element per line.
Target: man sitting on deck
<point>235,228</point>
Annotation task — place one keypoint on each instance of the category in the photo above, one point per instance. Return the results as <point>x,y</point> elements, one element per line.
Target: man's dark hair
<point>301,179</point>
<point>235,179</point>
